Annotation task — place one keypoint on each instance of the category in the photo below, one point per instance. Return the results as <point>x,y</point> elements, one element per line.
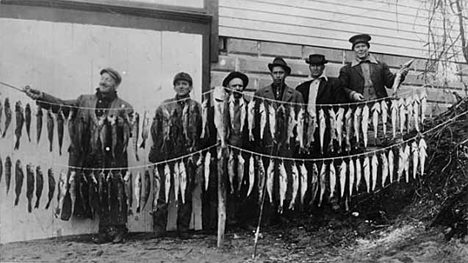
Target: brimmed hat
<point>316,59</point>
<point>183,76</point>
<point>113,73</point>
<point>278,61</point>
<point>236,74</point>
<point>361,38</point>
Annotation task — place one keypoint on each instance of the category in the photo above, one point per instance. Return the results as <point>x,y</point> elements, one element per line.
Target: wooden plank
<point>280,49</point>
<point>241,46</point>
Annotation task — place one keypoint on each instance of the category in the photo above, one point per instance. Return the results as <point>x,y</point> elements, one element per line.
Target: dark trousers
<point>184,210</point>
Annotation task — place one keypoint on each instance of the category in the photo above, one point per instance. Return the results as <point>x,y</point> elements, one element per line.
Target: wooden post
<point>221,196</point>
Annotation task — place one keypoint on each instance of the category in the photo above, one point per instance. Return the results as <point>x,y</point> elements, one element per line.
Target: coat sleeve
<point>387,75</point>
<point>344,77</point>
<point>155,154</point>
<point>50,102</point>
<point>341,93</point>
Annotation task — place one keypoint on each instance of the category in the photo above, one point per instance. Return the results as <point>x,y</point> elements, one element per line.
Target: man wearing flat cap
<point>176,132</point>
<point>91,159</point>
<point>365,74</point>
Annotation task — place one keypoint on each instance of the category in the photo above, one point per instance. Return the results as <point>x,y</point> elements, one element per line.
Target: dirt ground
<point>407,243</point>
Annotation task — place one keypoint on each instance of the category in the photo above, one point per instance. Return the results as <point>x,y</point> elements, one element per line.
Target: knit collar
<point>357,61</point>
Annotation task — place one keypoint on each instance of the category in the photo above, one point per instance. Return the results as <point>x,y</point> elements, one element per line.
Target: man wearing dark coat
<point>85,113</point>
<point>176,132</point>
<point>365,74</point>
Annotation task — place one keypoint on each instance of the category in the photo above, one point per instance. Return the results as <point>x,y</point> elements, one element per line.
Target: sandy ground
<point>409,243</point>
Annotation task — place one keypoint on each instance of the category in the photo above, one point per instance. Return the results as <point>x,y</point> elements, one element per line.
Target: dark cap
<point>316,59</point>
<point>278,61</point>
<point>361,38</point>
<point>236,74</point>
<point>182,76</point>
<point>113,73</point>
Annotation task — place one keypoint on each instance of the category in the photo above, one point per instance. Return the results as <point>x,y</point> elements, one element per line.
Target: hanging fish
<point>207,169</point>
<point>415,155</point>
<point>128,190</point>
<point>204,107</point>
<point>29,186</point>
<point>8,166</point>
<point>27,112</point>
<point>283,187</point>
<point>19,177</point>
<point>422,154</point>
<point>218,98</point>
<point>240,171</point>
<point>402,111</point>
<point>384,109</point>
<point>348,125</point>
<point>93,197</point>
<point>231,171</point>
<point>399,76</point>
<point>109,179</point>
<point>272,120</point>
<point>365,123</point>
<point>167,181</point>
<point>401,162</point>
<point>314,184</point>
<point>292,123</point>
<point>391,165</point>
<point>295,185</point>
<point>145,129</point>
<point>60,125</point>
<point>101,182</point>
<point>51,182</point>
<point>103,132</point>
<point>406,161</point>
<point>343,169</point>
<point>269,180</point>
<point>113,124</point>
<point>176,182</point>
<point>416,113</point>
<point>185,121</point>
<point>50,129</point>
<point>367,170</point>
<point>332,118</point>
<point>1,114</point>
<point>322,128</point>
<point>304,179</point>
<point>72,189</point>
<point>261,178</point>
<point>39,123</point>
<point>322,183</point>
<point>125,126</point>
<point>156,189</point>
<point>231,110</point>
<point>376,110</point>
<point>357,123</point>
<point>251,174</point>
<point>409,112</point>
<point>147,189</point>
<point>19,112</point>
<point>423,101</point>
<point>332,179</point>
<point>136,133</point>
<point>243,113</point>
<point>394,112</point>
<point>1,168</point>
<point>358,173</point>
<point>339,127</point>
<point>62,191</point>
<point>72,125</point>
<point>183,180</point>
<point>375,166</point>
<point>281,135</point>
<point>251,118</point>
<point>83,190</point>
<point>8,115</point>
<point>310,121</point>
<point>351,176</point>
<point>384,168</point>
<point>263,118</point>
<point>137,192</point>
<point>300,127</point>
<point>39,185</point>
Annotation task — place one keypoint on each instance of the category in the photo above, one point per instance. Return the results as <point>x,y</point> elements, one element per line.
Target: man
<point>176,132</point>
<point>85,111</point>
<point>320,89</point>
<point>365,74</point>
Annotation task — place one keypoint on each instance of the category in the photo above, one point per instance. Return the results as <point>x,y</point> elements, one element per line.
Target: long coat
<point>352,77</point>
<point>85,153</point>
<point>329,91</point>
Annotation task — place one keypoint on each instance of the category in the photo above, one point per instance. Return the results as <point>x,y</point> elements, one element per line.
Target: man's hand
<point>356,96</point>
<point>32,93</point>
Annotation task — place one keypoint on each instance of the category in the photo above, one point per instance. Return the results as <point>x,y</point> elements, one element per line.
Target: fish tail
<point>142,145</point>
<point>16,200</point>
<point>138,209</point>
<point>37,204</point>
<point>29,206</point>
<point>50,147</point>
<point>47,205</point>
<point>137,157</point>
